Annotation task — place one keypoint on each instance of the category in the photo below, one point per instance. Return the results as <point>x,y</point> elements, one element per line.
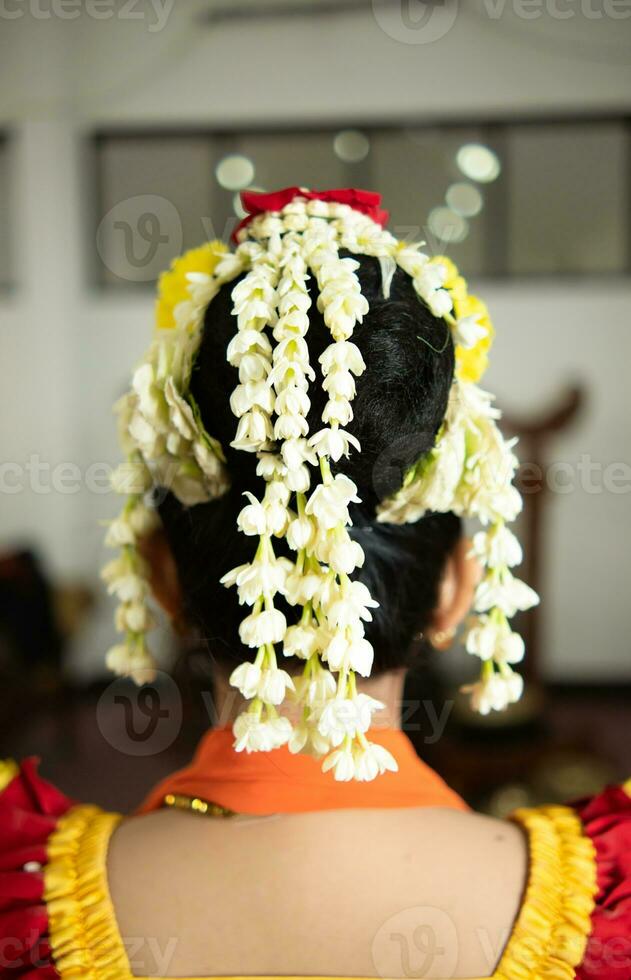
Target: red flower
<point>255,202</point>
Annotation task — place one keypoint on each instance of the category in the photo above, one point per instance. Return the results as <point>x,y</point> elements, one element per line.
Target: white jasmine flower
<point>131,661</point>
<point>180,412</point>
<point>342,308</point>
<point>143,520</point>
<point>301,533</point>
<point>253,735</point>
<point>295,452</point>
<point>252,520</point>
<point>345,555</point>
<point>131,477</point>
<point>301,641</point>
<point>212,467</point>
<point>252,394</point>
<point>412,261</point>
<point>254,432</point>
<point>342,763</point>
<point>123,579</point>
<point>307,739</point>
<point>439,302</point>
<point>259,579</point>
<point>488,638</point>
<point>340,384</point>
<point>495,693</point>
<point>373,760</point>
<point>298,480</point>
<point>151,401</point>
<point>292,401</point>
<point>290,427</point>
<point>270,466</point>
<point>119,532</point>
<point>246,678</point>
<point>273,685</point>
<point>253,367</point>
<point>345,355</point>
<point>247,343</point>
<point>302,587</point>
<point>347,716</point>
<point>315,690</point>
<point>329,502</point>
<point>353,605</point>
<point>467,331</point>
<point>338,411</point>
<point>186,481</point>
<point>351,651</point>
<point>334,443</point>
<point>506,592</point>
<point>150,441</point>
<point>261,628</point>
<point>497,547</point>
<point>133,617</point>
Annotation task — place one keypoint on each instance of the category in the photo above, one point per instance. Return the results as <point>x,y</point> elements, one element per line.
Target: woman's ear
<point>455,594</point>
<point>163,578</point>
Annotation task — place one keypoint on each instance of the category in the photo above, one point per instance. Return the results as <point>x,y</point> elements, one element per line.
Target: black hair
<point>399,406</point>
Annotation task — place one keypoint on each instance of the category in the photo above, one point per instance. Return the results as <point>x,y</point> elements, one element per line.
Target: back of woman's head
<point>398,409</point>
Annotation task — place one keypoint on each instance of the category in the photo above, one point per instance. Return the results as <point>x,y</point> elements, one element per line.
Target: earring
<point>442,639</point>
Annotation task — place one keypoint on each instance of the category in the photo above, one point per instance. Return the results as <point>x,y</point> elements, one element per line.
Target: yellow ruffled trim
<point>550,936</point>
<point>627,787</point>
<point>84,936</point>
<point>8,771</point>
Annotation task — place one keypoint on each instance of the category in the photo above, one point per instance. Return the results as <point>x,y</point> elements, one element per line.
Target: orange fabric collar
<point>279,782</point>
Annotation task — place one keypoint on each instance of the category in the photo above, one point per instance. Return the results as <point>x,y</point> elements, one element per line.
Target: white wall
<point>66,350</point>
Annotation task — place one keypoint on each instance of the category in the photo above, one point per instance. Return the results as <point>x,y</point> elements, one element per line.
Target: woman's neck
<point>387,688</point>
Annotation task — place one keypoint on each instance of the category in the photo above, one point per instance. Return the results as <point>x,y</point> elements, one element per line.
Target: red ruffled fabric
<point>606,820</point>
<point>29,810</point>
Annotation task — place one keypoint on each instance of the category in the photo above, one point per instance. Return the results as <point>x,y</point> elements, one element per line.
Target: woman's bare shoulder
<point>339,893</point>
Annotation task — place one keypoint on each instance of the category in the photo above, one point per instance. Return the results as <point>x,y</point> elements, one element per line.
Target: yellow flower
<point>470,364</point>
<point>173,284</point>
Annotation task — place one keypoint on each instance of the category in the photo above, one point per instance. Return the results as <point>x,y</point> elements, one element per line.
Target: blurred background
<point>500,132</point>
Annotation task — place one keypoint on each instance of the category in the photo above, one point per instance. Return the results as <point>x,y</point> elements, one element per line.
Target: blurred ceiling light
<point>351,146</point>
<point>464,199</point>
<point>234,172</point>
<point>478,162</point>
<point>447,225</point>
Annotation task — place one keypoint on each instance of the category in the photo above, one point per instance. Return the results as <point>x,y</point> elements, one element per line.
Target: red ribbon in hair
<point>256,202</point>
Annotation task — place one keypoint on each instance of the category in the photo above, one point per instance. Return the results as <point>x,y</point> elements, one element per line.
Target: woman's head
<point>310,419</point>
<point>399,406</point>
